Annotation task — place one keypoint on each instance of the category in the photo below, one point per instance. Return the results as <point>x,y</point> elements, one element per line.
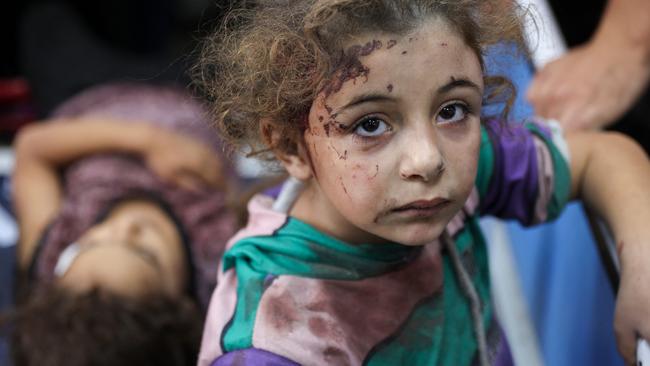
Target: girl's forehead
<point>432,48</point>
<point>430,25</point>
<point>429,40</point>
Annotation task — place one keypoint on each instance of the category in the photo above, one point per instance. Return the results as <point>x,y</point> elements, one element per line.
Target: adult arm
<point>42,149</point>
<point>611,174</point>
<point>595,84</point>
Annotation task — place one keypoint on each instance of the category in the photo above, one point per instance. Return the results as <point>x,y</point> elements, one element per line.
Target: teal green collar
<point>298,248</point>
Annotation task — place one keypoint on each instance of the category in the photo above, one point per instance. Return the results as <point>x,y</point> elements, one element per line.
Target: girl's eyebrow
<point>378,97</point>
<point>459,83</point>
<point>365,98</point>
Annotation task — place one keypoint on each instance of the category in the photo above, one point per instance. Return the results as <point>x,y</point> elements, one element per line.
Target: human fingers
<point>626,342</point>
<point>161,167</point>
<point>578,115</point>
<point>188,181</point>
<point>215,177</point>
<point>551,92</point>
<point>631,319</point>
<point>538,95</point>
<point>174,169</point>
<point>208,167</point>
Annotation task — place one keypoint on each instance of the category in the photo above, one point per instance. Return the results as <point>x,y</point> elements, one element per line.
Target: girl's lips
<point>423,204</point>
<point>422,208</point>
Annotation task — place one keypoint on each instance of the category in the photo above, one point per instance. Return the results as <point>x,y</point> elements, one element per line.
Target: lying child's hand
<point>183,161</point>
<point>632,317</point>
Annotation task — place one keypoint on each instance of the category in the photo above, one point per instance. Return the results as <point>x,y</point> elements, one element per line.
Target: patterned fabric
<point>309,298</point>
<point>252,357</point>
<point>92,183</point>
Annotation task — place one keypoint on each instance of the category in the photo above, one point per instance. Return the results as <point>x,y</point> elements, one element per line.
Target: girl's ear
<point>297,165</point>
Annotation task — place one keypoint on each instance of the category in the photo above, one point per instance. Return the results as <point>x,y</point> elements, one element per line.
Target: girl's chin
<point>413,233</point>
<point>420,238</point>
<point>418,243</point>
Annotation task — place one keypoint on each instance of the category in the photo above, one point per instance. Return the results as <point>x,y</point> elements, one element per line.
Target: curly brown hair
<point>270,59</point>
<point>55,326</point>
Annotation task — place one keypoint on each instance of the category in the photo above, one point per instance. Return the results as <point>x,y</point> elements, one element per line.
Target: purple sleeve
<point>514,183</point>
<point>252,357</point>
<point>273,191</point>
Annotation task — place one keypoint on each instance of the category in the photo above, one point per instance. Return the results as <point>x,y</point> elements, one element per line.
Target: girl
<point>122,216</point>
<point>375,106</point>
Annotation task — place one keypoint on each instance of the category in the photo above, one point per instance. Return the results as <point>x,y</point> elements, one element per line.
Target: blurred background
<point>51,50</point>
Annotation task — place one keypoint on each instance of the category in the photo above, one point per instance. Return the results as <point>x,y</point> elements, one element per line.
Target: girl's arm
<point>43,149</point>
<point>611,174</point>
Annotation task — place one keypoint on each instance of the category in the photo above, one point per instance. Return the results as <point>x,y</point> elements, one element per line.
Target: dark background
<point>54,49</point>
<point>58,47</point>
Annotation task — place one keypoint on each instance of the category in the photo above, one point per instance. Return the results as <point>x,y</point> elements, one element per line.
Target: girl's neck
<point>313,208</point>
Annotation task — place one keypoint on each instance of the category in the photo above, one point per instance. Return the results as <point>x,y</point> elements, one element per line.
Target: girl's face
<point>393,148</point>
<point>134,251</point>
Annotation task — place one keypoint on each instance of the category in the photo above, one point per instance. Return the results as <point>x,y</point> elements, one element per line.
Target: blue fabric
<point>570,298</point>
<point>7,262</point>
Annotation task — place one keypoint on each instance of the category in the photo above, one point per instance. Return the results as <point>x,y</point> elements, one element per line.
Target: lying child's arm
<point>42,149</point>
<point>611,174</point>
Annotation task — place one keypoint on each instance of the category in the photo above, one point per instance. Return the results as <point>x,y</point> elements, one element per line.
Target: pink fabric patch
<point>262,222</point>
<point>330,322</point>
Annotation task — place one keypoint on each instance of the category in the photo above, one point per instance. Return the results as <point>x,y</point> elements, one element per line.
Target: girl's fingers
<point>188,181</point>
<point>626,337</point>
<point>211,171</point>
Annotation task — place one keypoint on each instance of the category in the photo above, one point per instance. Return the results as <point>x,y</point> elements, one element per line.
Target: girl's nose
<point>423,159</point>
<point>129,230</point>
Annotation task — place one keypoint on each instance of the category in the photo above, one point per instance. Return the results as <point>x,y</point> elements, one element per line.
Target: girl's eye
<point>371,126</point>
<point>452,113</point>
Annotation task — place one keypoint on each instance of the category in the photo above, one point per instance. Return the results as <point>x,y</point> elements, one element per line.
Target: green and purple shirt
<point>289,294</point>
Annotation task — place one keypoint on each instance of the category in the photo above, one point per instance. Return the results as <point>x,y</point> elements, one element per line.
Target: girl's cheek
<point>365,175</point>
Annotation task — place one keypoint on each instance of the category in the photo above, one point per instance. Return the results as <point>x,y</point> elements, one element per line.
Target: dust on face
<point>395,136</point>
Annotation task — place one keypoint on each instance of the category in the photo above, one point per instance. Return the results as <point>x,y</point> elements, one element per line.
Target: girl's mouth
<point>422,208</point>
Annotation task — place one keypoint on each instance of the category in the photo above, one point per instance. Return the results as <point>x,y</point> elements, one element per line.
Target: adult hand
<point>184,161</point>
<point>592,85</point>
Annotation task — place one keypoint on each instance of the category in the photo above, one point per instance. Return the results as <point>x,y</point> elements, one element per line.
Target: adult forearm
<point>627,21</point>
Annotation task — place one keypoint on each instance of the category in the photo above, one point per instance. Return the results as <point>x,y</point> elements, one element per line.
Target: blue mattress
<point>8,234</point>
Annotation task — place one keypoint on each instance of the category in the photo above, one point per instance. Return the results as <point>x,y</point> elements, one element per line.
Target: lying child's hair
<point>55,326</point>
<point>269,61</point>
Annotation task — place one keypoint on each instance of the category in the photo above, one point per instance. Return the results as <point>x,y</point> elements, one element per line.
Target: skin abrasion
<point>405,130</point>
<point>340,179</point>
<point>352,68</point>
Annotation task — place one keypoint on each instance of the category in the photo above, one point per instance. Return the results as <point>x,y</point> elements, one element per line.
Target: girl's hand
<point>632,318</point>
<point>611,174</point>
<point>183,161</point>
